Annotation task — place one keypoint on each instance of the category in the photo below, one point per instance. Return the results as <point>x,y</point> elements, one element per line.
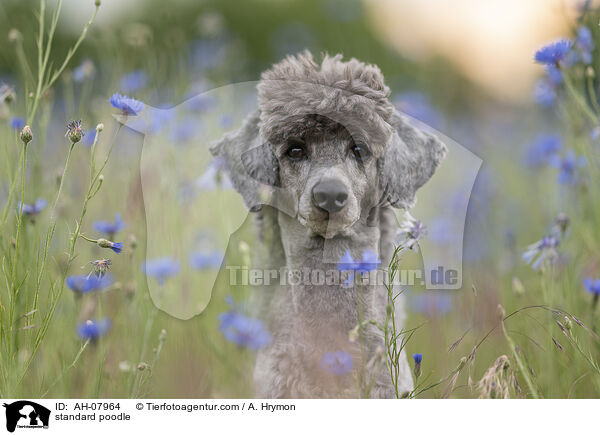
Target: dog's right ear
<point>409,162</point>
<point>250,162</point>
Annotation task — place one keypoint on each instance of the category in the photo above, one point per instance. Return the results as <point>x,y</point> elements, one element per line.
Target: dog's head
<point>328,135</point>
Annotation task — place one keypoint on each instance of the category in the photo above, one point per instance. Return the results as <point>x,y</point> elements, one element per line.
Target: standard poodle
<point>322,163</point>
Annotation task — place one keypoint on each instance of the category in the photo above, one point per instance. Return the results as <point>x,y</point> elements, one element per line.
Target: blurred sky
<point>489,41</point>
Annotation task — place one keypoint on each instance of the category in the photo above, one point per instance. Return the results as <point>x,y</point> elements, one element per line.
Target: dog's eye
<point>296,150</point>
<point>296,153</point>
<point>360,152</point>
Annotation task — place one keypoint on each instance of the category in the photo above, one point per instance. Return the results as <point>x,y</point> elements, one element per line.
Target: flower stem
<point>14,289</point>
<point>592,94</point>
<point>69,367</point>
<point>522,368</point>
<point>43,55</point>
<point>580,100</point>
<point>13,186</point>
<point>62,179</point>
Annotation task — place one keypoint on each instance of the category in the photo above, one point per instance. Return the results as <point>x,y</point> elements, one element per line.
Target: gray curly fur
<point>329,105</point>
<point>350,93</point>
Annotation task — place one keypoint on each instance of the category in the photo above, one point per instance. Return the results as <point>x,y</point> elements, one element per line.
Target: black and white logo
<point>26,414</point>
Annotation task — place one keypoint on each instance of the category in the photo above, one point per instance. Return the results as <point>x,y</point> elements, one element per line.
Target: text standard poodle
<point>321,163</point>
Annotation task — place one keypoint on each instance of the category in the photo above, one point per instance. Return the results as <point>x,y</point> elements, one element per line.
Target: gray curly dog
<point>333,155</point>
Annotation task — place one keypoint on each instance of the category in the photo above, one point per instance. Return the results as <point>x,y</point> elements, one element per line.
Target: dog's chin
<point>327,228</point>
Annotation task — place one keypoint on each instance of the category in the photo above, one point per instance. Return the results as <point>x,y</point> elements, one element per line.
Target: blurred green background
<point>463,67</point>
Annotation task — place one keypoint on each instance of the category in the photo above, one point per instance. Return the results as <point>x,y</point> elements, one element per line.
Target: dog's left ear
<point>250,162</point>
<point>410,160</point>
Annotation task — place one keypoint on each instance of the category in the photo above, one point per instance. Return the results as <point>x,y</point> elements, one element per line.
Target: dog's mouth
<point>325,226</point>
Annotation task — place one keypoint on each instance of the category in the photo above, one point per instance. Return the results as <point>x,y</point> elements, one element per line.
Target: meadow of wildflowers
<point>76,315</point>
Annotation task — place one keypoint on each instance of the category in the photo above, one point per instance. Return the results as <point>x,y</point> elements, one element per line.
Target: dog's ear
<point>410,160</point>
<point>249,161</point>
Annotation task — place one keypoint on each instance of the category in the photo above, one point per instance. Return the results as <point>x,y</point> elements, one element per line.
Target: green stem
<point>157,352</point>
<point>22,59</point>
<point>579,99</point>
<point>72,51</point>
<point>13,186</point>
<point>13,278</point>
<point>66,369</point>
<point>62,180</point>
<point>592,94</point>
<point>587,357</point>
<point>88,239</point>
<point>147,330</point>
<point>520,363</point>
<point>95,178</point>
<point>42,85</point>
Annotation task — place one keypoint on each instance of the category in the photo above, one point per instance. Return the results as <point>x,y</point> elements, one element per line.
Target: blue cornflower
<point>544,93</point>
<point>127,105</point>
<point>592,286</point>
<point>133,81</point>
<point>410,232</point>
<point>586,57</point>
<point>115,246</point>
<point>338,363</point>
<point>33,209</point>
<point>110,228</point>
<point>161,268</point>
<point>88,283</point>
<point>368,263</point>
<point>553,53</point>
<point>584,44</point>
<point>542,252</point>
<point>242,330</point>
<point>206,260</point>
<point>568,166</point>
<point>542,149</point>
<point>17,123</point>
<point>554,74</point>
<point>92,330</point>
<point>584,38</point>
<point>418,357</point>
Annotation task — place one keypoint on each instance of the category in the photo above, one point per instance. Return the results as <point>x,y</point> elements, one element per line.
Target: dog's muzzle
<point>330,195</point>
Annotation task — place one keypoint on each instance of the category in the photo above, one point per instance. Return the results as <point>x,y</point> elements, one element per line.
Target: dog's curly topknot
<point>297,91</point>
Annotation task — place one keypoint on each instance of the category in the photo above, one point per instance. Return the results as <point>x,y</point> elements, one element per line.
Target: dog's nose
<point>330,195</point>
